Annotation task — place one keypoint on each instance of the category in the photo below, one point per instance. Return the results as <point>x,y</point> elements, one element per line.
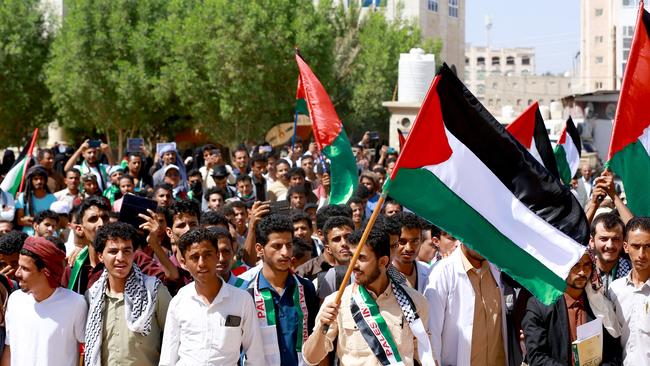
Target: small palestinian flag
<point>13,181</point>
<point>461,170</point>
<point>329,134</point>
<point>567,152</point>
<point>629,149</point>
<point>530,131</point>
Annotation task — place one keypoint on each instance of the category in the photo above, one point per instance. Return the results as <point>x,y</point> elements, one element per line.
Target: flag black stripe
<point>466,118</point>
<point>543,144</point>
<point>572,131</point>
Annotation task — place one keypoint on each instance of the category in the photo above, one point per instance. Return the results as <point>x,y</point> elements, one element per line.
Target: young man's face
<point>48,161</point>
<point>38,182</point>
<point>307,165</point>
<point>281,172</point>
<point>47,227</point>
<point>135,163</point>
<point>259,168</point>
<point>392,209</point>
<point>5,227</point>
<point>408,245</point>
<point>367,268</point>
<point>172,177</point>
<point>637,246</point>
<point>201,260</point>
<point>225,256</point>
<point>244,188</point>
<point>427,249</point>
<point>580,273</point>
<point>169,158</point>
<point>241,159</point>
<point>92,219</point>
<point>357,212</point>
<point>117,256</point>
<point>90,155</point>
<point>241,215</point>
<point>296,180</point>
<point>91,187</point>
<point>126,186</point>
<point>446,243</point>
<point>368,183</point>
<point>338,243</point>
<point>607,243</point>
<point>221,183</point>
<point>163,197</point>
<point>72,180</point>
<point>29,276</point>
<point>278,251</point>
<point>195,180</point>
<point>301,230</point>
<point>115,177</point>
<point>182,223</point>
<point>297,200</point>
<point>215,201</point>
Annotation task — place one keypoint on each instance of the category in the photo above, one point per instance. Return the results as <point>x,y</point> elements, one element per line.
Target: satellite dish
<point>281,134</point>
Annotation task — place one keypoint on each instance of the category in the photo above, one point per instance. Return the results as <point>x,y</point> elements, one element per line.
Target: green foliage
<point>225,68</point>
<point>24,47</point>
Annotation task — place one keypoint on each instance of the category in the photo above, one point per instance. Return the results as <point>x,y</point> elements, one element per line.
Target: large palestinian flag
<point>530,131</point>
<point>567,152</point>
<point>329,134</point>
<point>14,179</point>
<point>629,150</point>
<point>461,170</point>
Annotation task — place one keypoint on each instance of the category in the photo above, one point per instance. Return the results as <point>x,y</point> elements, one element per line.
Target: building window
<point>525,72</point>
<point>466,60</point>
<point>480,61</point>
<point>530,101</point>
<point>599,59</point>
<point>518,102</point>
<point>599,85</point>
<point>510,60</point>
<point>599,12</point>
<point>525,60</point>
<point>490,101</point>
<point>496,61</point>
<point>432,5</point>
<point>629,3</point>
<point>480,75</point>
<point>453,8</point>
<point>494,85</point>
<point>599,39</point>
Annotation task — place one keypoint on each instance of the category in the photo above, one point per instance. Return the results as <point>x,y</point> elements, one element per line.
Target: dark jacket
<point>546,332</point>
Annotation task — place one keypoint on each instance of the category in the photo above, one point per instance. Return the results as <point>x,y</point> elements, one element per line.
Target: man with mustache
<point>336,232</point>
<point>550,330</point>
<point>408,246</point>
<point>607,235</point>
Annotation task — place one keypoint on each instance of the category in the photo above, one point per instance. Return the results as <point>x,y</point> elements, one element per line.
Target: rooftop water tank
<point>415,73</point>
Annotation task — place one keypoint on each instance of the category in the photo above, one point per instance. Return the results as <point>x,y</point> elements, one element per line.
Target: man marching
<point>379,322</point>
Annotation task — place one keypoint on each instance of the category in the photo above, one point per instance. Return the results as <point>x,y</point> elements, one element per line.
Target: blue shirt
<point>39,205</point>
<point>370,205</point>
<point>286,320</point>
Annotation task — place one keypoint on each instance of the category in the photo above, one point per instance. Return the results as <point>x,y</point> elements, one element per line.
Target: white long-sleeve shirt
<point>200,334</point>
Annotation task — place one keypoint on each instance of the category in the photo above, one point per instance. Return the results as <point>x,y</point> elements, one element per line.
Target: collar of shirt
<point>629,282</point>
<point>467,266</point>
<point>264,283</point>
<point>224,292</point>
<point>574,303</point>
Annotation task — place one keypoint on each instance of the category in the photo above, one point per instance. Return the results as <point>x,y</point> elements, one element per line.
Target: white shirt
<point>196,333</point>
<point>46,332</point>
<point>632,306</point>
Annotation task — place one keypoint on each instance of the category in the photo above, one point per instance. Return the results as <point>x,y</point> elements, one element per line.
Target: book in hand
<point>588,348</point>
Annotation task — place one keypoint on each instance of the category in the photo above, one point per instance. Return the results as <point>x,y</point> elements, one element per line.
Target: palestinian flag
<point>567,152</point>
<point>329,134</point>
<point>14,180</point>
<point>461,170</point>
<point>629,150</point>
<point>530,131</point>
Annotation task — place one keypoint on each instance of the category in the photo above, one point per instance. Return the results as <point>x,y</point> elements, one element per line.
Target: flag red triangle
<point>523,128</point>
<point>402,140</point>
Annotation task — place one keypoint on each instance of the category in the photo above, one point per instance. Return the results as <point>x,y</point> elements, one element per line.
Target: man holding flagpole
<point>378,321</point>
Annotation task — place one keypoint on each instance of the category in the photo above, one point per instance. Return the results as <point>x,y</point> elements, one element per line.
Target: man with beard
<point>607,235</point>
<point>259,163</point>
<point>286,303</point>
<point>550,330</point>
<point>45,159</point>
<point>336,233</point>
<point>127,309</point>
<point>631,294</point>
<point>45,323</point>
<point>378,320</point>
<point>34,199</point>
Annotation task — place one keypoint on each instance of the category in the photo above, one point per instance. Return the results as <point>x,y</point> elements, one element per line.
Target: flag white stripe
<point>572,154</point>
<point>466,175</point>
<point>535,153</point>
<point>645,140</point>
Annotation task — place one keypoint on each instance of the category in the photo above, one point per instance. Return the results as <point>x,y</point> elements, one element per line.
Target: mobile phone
<point>279,207</point>
<point>132,206</point>
<point>94,143</point>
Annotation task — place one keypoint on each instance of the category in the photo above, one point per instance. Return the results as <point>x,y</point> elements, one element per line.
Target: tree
<point>105,69</point>
<point>24,48</point>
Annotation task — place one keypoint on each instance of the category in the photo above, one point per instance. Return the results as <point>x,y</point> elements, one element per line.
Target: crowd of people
<point>240,258</point>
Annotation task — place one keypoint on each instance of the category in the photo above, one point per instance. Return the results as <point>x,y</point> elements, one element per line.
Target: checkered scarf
<point>140,294</point>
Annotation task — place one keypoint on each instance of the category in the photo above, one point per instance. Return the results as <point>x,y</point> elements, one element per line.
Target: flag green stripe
<point>430,198</point>
<point>632,164</point>
<point>11,182</point>
<point>343,169</point>
<point>562,164</point>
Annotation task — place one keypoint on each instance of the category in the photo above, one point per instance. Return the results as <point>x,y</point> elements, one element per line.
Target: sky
<point>552,27</point>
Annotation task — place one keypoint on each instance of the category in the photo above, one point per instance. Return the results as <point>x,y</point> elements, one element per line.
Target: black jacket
<point>546,332</point>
